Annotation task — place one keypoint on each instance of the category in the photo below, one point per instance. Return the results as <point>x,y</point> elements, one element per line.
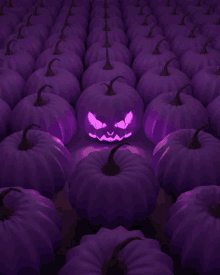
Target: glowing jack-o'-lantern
<point>112,115</point>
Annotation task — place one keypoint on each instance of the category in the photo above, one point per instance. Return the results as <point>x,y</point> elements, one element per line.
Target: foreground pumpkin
<point>185,159</point>
<point>170,112</point>
<point>120,188</point>
<point>104,70</point>
<point>51,112</point>
<point>34,159</point>
<point>101,114</point>
<point>193,229</point>
<point>39,228</point>
<point>117,251</point>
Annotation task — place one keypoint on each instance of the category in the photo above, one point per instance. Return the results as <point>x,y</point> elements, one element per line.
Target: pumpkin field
<point>110,137</point>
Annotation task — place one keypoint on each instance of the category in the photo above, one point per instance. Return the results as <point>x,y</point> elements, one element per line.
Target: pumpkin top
<point>110,89</point>
<point>192,35</point>
<point>145,19</point>
<point>217,72</point>
<point>137,4</point>
<point>36,11</point>
<point>165,70</point>
<point>107,44</point>
<point>106,28</point>
<point>141,11</point>
<point>150,35</point>
<point>8,51</point>
<point>1,10</point>
<point>40,102</point>
<point>57,51</point>
<point>108,65</point>
<point>105,14</point>
<point>204,50</point>
<point>182,20</point>
<point>25,143</point>
<point>49,71</point>
<point>156,50</point>
<point>209,9</point>
<point>174,12</point>
<point>28,20</point>
<point>20,35</point>
<point>177,101</point>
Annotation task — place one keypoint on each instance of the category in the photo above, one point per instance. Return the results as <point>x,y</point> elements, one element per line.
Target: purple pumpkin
<point>106,12</point>
<point>211,30</point>
<point>76,9</point>
<point>196,59</point>
<point>5,31</point>
<point>70,42</point>
<point>181,153</point>
<point>199,7</point>
<point>68,60</point>
<point>170,112</point>
<point>145,61</point>
<point>216,43</point>
<point>40,18</point>
<point>148,42</point>
<point>76,3</point>
<point>49,3</point>
<point>17,60</point>
<point>104,70</point>
<point>182,43</point>
<point>206,84</point>
<point>160,80</point>
<point>165,8</point>
<point>53,11</point>
<point>4,118</point>
<point>73,30</point>
<point>113,22</point>
<point>205,17</point>
<point>8,18</point>
<point>11,86</point>
<point>73,19</point>
<point>132,12</point>
<point>51,112</point>
<point>161,3</point>
<point>214,114</point>
<point>101,3</point>
<point>28,43</point>
<point>64,84</point>
<point>16,8</point>
<point>113,121</point>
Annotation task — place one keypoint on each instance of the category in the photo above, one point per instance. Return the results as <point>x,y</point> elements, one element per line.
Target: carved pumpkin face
<point>110,116</point>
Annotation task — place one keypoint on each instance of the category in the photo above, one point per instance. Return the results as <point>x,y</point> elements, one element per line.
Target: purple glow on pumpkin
<point>109,138</point>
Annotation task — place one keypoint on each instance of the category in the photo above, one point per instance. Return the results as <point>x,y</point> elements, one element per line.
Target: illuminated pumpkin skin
<point>105,117</point>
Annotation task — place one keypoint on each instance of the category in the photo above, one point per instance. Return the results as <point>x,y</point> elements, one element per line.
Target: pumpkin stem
<point>10,4</point>
<point>141,11</point>
<point>214,210</point>
<point>57,51</point>
<point>192,35</point>
<point>174,12</point>
<point>111,168</point>
<point>209,9</point>
<point>199,4</point>
<point>28,20</point>
<point>107,66</point>
<point>156,50</point>
<point>73,4</point>
<point>110,89</point>
<point>1,10</point>
<point>5,210</point>
<point>106,14</point>
<point>49,71</point>
<point>114,265</point>
<point>70,12</point>
<point>182,21</point>
<point>42,4</point>
<point>8,51</point>
<point>137,4</point>
<point>145,19</point>
<point>66,21</point>
<point>176,101</point>
<point>107,44</point>
<point>106,28</point>
<point>40,102</point>
<point>165,70</point>
<point>25,143</point>
<point>1,60</point>
<point>150,35</point>
<point>217,72</point>
<point>168,3</point>
<point>36,11</point>
<point>20,35</point>
<point>62,35</point>
<point>204,50</point>
<point>105,5</point>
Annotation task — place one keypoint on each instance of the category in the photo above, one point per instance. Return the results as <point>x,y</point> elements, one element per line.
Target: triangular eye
<point>97,124</point>
<point>124,123</point>
<point>128,118</point>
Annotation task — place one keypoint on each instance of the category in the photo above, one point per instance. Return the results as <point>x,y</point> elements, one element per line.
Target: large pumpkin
<point>34,160</point>
<point>51,112</point>
<point>117,251</point>
<point>185,159</point>
<point>30,245</point>
<point>118,188</point>
<point>193,228</point>
<point>101,114</point>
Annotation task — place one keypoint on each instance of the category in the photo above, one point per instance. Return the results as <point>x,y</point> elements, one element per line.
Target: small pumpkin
<point>104,197</point>
<point>211,29</point>
<point>134,16</point>
<point>113,120</point>
<point>52,113</point>
<point>19,60</point>
<point>113,22</point>
<point>106,12</point>
<point>193,220</point>
<point>64,84</point>
<point>196,59</point>
<point>52,10</point>
<point>117,251</point>
<point>206,84</point>
<point>46,168</point>
<point>145,61</point>
<point>39,228</point>
<point>216,43</point>
<point>130,6</point>
<point>17,8</point>
<point>205,17</point>
<point>181,153</point>
<point>160,80</point>
<point>170,112</point>
<point>68,60</point>
<point>76,3</point>
<point>4,119</point>
<point>11,19</point>
<point>11,86</point>
<point>70,42</point>
<point>199,7</point>
<point>104,70</point>
<point>76,9</point>
<point>166,7</point>
<point>98,3</point>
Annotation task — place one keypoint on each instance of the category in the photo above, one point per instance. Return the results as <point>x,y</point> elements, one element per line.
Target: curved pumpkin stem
<point>199,3</point>
<point>114,265</point>
<point>107,66</point>
<point>192,35</point>
<point>193,143</point>
<point>62,35</point>
<point>182,21</point>
<point>40,102</point>
<point>8,51</point>
<point>36,11</point>
<point>176,101</point>
<point>10,4</point>
<point>165,70</point>
<point>150,35</point>
<point>20,35</point>
<point>156,50</point>
<point>168,3</point>
<point>110,89</point>
<point>28,20</point>
<point>174,12</point>
<point>25,143</point>
<point>145,19</point>
<point>137,4</point>
<point>41,4</point>
<point>57,51</point>
<point>1,10</point>
<point>73,4</point>
<point>209,9</point>
<point>111,168</point>
<point>49,71</point>
<point>141,11</point>
<point>204,50</point>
